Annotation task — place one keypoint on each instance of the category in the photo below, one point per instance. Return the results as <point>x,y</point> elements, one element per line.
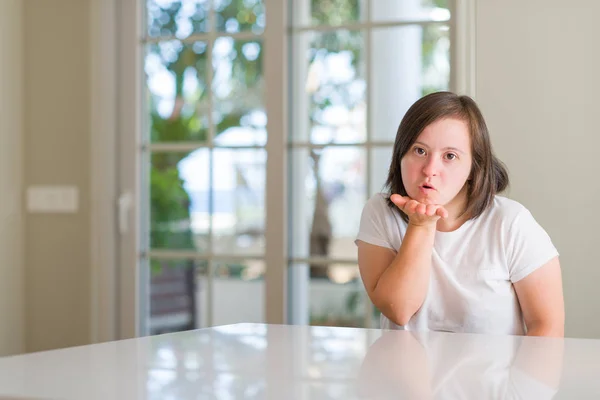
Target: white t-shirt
<point>473,268</point>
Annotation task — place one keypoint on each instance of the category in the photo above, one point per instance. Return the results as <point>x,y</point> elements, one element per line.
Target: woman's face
<point>437,166</point>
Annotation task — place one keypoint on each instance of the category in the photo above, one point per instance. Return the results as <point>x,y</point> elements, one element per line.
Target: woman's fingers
<point>431,210</point>
<point>442,212</point>
<point>399,201</point>
<point>410,206</point>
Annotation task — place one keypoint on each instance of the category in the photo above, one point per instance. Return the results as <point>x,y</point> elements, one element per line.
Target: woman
<point>442,250</point>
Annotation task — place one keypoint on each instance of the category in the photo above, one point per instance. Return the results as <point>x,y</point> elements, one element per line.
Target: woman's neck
<point>451,223</point>
<point>455,208</point>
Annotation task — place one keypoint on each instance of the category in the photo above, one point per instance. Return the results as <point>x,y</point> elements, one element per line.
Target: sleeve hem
<point>375,241</point>
<point>531,268</point>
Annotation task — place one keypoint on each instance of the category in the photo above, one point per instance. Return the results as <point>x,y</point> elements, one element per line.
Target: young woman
<point>441,250</point>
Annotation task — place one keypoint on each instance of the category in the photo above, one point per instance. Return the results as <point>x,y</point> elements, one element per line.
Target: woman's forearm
<point>401,289</point>
<point>541,329</point>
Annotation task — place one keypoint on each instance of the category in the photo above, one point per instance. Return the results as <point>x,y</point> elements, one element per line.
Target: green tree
<point>188,120</point>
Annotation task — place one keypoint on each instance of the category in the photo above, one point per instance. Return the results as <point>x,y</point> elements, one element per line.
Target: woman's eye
<point>419,151</point>
<point>450,156</point>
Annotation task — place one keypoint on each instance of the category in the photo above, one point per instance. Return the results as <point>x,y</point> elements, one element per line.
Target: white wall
<point>11,214</point>
<point>538,81</point>
<point>56,151</point>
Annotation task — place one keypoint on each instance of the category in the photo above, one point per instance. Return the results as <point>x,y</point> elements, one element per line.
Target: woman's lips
<point>426,190</point>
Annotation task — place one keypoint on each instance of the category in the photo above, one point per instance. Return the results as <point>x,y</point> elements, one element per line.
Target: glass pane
<point>238,194</point>
<point>240,15</point>
<point>329,88</point>
<point>177,96</point>
<point>328,193</point>
<point>336,296</point>
<point>179,18</point>
<point>179,188</point>
<point>238,292</point>
<point>238,86</point>
<point>327,12</point>
<point>419,64</point>
<point>380,165</point>
<point>175,304</point>
<point>419,10</point>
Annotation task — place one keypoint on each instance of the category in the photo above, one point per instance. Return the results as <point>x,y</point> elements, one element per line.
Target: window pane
<point>420,10</point>
<point>179,18</point>
<point>328,88</point>
<point>333,297</point>
<point>327,12</point>
<point>338,297</point>
<point>174,302</point>
<point>240,15</point>
<point>179,189</point>
<point>238,87</point>
<point>380,165</point>
<point>328,193</point>
<point>239,201</point>
<point>177,96</point>
<point>238,292</point>
<point>419,64</point>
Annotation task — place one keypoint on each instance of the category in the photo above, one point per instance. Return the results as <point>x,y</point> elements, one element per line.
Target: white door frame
<point>103,130</point>
<point>114,102</point>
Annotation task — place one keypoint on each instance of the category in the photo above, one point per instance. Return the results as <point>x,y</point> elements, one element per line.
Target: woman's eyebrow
<point>454,149</point>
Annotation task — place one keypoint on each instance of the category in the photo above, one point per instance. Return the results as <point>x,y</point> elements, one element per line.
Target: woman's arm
<point>397,284</point>
<point>541,297</point>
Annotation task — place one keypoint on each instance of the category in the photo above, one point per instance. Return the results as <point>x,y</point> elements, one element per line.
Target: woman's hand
<point>419,214</point>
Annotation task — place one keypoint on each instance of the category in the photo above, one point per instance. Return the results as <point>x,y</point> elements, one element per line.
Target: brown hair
<point>488,174</point>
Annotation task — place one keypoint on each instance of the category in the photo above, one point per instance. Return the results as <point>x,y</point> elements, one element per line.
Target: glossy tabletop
<point>257,361</point>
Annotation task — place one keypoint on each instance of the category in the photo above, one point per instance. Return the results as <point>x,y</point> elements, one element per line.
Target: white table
<point>299,362</point>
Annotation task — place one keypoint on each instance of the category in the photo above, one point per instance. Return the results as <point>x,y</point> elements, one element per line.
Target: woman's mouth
<point>426,189</point>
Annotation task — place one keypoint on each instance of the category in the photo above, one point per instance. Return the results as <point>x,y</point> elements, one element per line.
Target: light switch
<point>52,199</point>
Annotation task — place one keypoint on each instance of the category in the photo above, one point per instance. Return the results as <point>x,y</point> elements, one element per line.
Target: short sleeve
<point>528,246</point>
<point>374,223</point>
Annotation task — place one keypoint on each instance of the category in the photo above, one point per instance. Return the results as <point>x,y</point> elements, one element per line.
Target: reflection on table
<point>257,361</point>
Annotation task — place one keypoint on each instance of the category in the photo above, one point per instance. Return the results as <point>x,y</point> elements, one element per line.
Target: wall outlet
<point>52,199</point>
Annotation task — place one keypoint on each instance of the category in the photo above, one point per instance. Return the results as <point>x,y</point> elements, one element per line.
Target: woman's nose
<point>431,167</point>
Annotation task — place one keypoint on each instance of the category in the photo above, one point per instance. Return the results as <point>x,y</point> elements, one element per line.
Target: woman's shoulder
<point>379,223</point>
<point>505,209</point>
<point>508,205</point>
<point>379,201</point>
<point>379,204</point>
